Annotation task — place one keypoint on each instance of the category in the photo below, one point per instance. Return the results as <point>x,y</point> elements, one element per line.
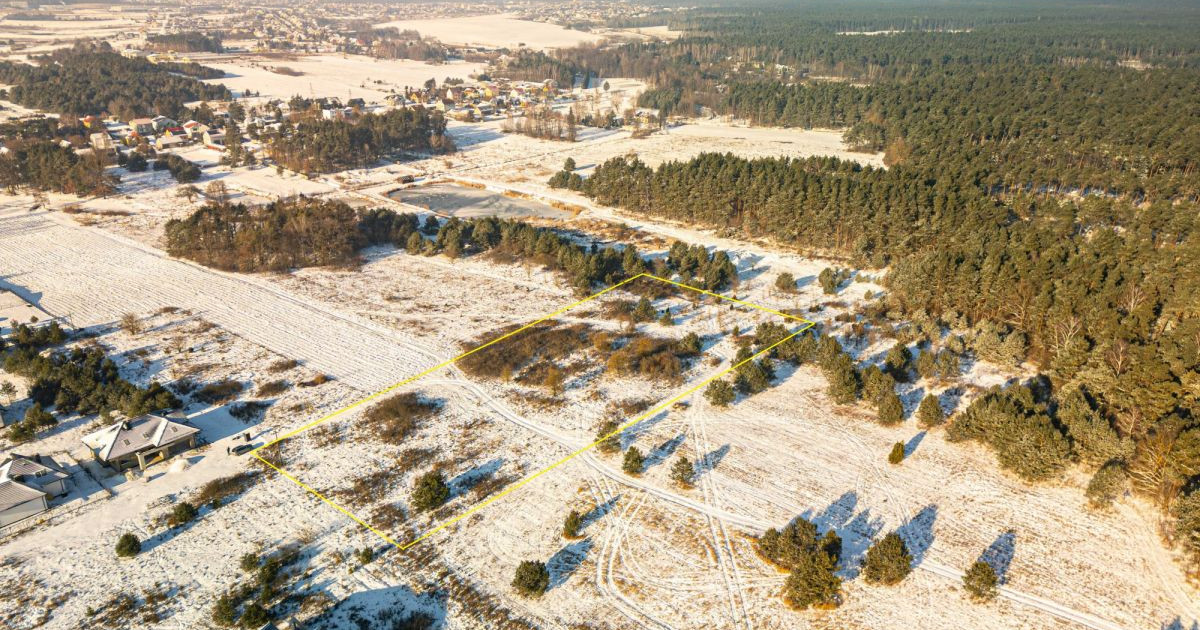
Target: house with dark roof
<point>141,441</point>
<point>27,484</point>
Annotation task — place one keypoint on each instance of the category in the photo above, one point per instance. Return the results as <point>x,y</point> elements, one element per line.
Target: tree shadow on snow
<point>630,435</point>
<point>999,554</point>
<point>1177,624</point>
<point>913,443</point>
<point>389,607</point>
<point>660,453</point>
<point>918,533</point>
<point>567,560</point>
<point>599,511</point>
<point>710,460</point>
<point>467,480</point>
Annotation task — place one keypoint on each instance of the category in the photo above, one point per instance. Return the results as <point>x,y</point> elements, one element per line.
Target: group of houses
<point>159,132</point>
<point>483,99</point>
<point>29,483</point>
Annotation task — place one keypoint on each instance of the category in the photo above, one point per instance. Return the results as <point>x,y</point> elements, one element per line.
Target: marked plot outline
<point>802,326</point>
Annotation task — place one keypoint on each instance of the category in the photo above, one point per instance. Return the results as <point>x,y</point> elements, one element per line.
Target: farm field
<point>599,316</point>
<point>657,553</point>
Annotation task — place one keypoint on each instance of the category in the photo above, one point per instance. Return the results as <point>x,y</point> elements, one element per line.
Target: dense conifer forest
<point>332,145</point>
<point>90,78</point>
<point>1042,198</point>
<point>190,41</point>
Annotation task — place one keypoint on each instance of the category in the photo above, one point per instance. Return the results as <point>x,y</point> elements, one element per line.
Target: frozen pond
<point>466,202</point>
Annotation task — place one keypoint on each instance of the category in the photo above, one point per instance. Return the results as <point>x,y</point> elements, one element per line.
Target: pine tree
<point>572,524</point>
<point>843,379</point>
<point>634,461</point>
<point>980,581</point>
<point>224,611</point>
<point>888,561</point>
<point>1106,485</point>
<point>813,582</point>
<point>929,412</point>
<point>786,282</point>
<point>254,616</point>
<point>753,377</point>
<point>683,472</point>
<point>183,513</point>
<point>719,393</point>
<point>128,545</point>
<point>891,410</point>
<point>430,492</point>
<point>644,311</point>
<point>415,243</point>
<point>898,361</point>
<point>609,440</point>
<point>897,454</point>
<point>531,578</point>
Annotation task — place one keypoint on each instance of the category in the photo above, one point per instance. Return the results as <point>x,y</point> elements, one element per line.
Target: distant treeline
<point>191,41</point>
<point>89,78</point>
<point>304,232</point>
<point>322,146</point>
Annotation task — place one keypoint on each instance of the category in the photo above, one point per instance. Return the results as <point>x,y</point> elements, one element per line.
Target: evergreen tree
<point>929,412</point>
<point>891,410</point>
<point>254,616</point>
<point>753,377</point>
<point>128,545</point>
<point>786,282</point>
<point>633,462</point>
<point>224,611</point>
<point>531,579</point>
<point>897,454</point>
<point>813,582</point>
<point>1106,485</point>
<point>719,393</point>
<point>430,492</point>
<point>888,561</point>
<point>609,438</point>
<point>898,361</point>
<point>876,383</point>
<point>843,379</point>
<point>37,417</point>
<point>644,311</point>
<point>683,472</point>
<point>572,525</point>
<point>981,582</point>
<point>182,513</point>
<point>415,243</point>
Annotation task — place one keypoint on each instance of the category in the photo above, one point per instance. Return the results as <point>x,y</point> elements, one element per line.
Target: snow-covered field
<point>655,555</point>
<point>339,76</point>
<point>495,31</point>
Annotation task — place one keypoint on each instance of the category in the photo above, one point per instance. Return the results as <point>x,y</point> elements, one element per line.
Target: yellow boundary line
<point>513,488</point>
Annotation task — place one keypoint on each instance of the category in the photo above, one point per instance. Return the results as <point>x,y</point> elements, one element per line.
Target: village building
<point>214,139</point>
<point>141,441</point>
<point>27,484</point>
<point>142,126</point>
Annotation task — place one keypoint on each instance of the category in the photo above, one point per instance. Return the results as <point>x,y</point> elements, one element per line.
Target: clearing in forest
<point>795,326</point>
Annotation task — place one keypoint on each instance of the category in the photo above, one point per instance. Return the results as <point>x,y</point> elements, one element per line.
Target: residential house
<point>161,123</point>
<point>214,139</point>
<point>26,484</point>
<point>102,142</point>
<point>142,126</point>
<point>141,441</point>
<point>170,142</point>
